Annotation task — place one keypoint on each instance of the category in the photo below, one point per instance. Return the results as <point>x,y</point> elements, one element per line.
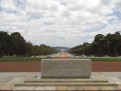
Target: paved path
<point>63,55</point>
<point>8,79</point>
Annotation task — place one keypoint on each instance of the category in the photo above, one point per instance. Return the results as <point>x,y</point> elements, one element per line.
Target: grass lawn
<point>19,59</point>
<point>22,59</point>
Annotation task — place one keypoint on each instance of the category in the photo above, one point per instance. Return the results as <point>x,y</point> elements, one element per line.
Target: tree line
<point>15,44</point>
<point>109,45</point>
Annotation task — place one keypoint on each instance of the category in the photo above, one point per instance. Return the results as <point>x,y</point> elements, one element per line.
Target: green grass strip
<point>19,59</point>
<point>23,59</point>
<point>110,59</point>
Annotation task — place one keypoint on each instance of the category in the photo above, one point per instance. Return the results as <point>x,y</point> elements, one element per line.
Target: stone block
<point>65,68</point>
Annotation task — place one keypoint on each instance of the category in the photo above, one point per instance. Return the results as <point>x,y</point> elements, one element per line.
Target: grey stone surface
<point>65,68</point>
<point>8,80</point>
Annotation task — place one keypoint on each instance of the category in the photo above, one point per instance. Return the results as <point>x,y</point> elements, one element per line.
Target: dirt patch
<point>97,66</point>
<point>106,66</point>
<point>19,66</point>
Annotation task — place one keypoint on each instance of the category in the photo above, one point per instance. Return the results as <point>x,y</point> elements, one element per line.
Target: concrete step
<point>68,88</point>
<point>65,84</point>
<point>66,81</point>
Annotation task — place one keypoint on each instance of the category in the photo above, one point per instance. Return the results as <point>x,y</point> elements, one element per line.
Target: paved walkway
<point>62,55</point>
<point>8,79</point>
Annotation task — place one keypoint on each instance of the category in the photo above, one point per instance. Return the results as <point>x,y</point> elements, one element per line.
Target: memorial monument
<point>65,68</point>
<point>54,74</point>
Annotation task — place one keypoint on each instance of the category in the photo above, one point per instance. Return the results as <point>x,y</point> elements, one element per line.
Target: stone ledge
<point>66,80</point>
<point>66,84</point>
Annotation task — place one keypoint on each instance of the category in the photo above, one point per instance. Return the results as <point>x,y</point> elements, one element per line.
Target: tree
<point>99,37</point>
<point>102,45</point>
<point>29,49</point>
<point>114,43</point>
<point>4,43</point>
<point>15,44</point>
<point>18,44</point>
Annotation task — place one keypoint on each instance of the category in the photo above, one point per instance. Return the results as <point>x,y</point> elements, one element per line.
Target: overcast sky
<point>60,22</point>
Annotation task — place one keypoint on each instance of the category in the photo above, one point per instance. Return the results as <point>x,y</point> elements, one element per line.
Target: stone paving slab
<point>8,79</point>
<point>65,88</point>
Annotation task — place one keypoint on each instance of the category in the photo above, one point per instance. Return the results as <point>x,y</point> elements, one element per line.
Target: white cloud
<point>60,22</point>
<point>9,5</point>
